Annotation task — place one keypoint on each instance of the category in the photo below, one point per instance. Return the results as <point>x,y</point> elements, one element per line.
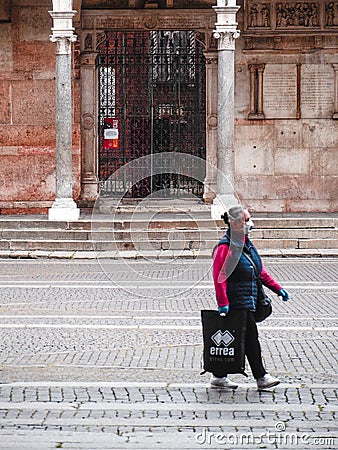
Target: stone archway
<point>93,26</point>
<point>151,104</point>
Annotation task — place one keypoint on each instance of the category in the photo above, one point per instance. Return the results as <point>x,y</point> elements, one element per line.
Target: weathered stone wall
<point>286,104</point>
<point>27,110</point>
<point>286,154</point>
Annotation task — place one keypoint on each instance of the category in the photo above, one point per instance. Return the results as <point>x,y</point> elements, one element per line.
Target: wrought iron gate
<point>151,101</point>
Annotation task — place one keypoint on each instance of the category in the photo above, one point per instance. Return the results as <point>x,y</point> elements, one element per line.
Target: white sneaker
<point>267,382</point>
<point>223,382</point>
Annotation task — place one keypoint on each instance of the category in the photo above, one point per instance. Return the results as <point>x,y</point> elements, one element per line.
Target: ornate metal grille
<point>151,101</point>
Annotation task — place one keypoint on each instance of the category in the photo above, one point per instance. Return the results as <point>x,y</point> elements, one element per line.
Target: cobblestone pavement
<point>107,354</point>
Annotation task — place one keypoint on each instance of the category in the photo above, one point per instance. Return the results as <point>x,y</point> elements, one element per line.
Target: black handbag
<point>264,306</point>
<point>224,342</point>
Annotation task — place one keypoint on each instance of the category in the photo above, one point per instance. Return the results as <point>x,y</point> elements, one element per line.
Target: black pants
<point>252,349</point>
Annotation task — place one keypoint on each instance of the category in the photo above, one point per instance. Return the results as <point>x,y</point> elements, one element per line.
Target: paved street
<point>107,355</point>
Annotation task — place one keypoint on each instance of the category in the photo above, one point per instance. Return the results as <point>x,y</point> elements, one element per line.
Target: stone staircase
<point>189,233</point>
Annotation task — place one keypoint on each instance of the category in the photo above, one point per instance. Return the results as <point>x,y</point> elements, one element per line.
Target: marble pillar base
<point>221,204</point>
<point>64,209</point>
<point>210,189</point>
<point>89,189</point>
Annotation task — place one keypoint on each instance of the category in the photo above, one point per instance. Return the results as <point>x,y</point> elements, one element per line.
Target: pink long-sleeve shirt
<point>221,254</point>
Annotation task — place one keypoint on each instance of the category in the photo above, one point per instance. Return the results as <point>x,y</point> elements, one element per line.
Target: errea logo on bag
<point>224,338</point>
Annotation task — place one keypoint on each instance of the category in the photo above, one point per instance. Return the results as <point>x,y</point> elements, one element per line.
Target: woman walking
<point>236,288</point>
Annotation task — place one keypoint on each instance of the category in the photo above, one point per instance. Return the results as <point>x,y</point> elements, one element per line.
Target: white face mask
<point>248,226</point>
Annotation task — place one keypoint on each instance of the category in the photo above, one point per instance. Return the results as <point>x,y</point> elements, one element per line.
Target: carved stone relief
<point>150,22</point>
<point>226,40</point>
<point>331,14</point>
<point>5,11</point>
<point>278,15</point>
<point>259,15</point>
<point>212,121</point>
<point>298,14</point>
<point>100,37</point>
<point>201,37</point>
<point>88,42</point>
<point>87,121</point>
<point>76,60</point>
<point>292,42</point>
<point>211,61</point>
<point>207,39</point>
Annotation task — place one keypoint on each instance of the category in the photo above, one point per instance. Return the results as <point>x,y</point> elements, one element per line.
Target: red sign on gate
<point>111,133</point>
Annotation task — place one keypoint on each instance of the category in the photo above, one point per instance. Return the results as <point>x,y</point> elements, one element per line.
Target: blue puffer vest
<point>241,278</point>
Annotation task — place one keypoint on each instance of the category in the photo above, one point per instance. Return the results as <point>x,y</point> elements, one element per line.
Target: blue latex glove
<point>224,310</point>
<point>284,294</point>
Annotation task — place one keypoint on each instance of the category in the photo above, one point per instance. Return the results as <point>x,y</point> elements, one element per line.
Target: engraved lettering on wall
<point>280,91</point>
<point>100,4</point>
<point>317,90</point>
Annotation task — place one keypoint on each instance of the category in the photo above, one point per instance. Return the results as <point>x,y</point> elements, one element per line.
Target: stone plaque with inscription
<point>317,91</point>
<point>143,19</point>
<point>280,91</point>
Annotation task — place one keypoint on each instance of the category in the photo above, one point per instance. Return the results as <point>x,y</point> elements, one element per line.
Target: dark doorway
<point>151,101</point>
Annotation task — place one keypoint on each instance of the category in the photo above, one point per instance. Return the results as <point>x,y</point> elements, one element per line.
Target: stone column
<point>210,182</point>
<point>260,70</point>
<point>252,69</point>
<point>89,181</point>
<point>335,114</point>
<point>226,33</point>
<point>64,208</point>
<point>256,91</point>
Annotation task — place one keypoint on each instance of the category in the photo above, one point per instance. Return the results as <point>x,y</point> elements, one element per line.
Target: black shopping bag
<point>224,342</point>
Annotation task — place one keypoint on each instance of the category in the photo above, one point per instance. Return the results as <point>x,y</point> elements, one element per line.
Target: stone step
<point>154,205</point>
<point>150,232</point>
<point>111,235</point>
<point>124,222</point>
<point>109,224</point>
<point>177,244</point>
<point>161,234</point>
<point>298,233</point>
